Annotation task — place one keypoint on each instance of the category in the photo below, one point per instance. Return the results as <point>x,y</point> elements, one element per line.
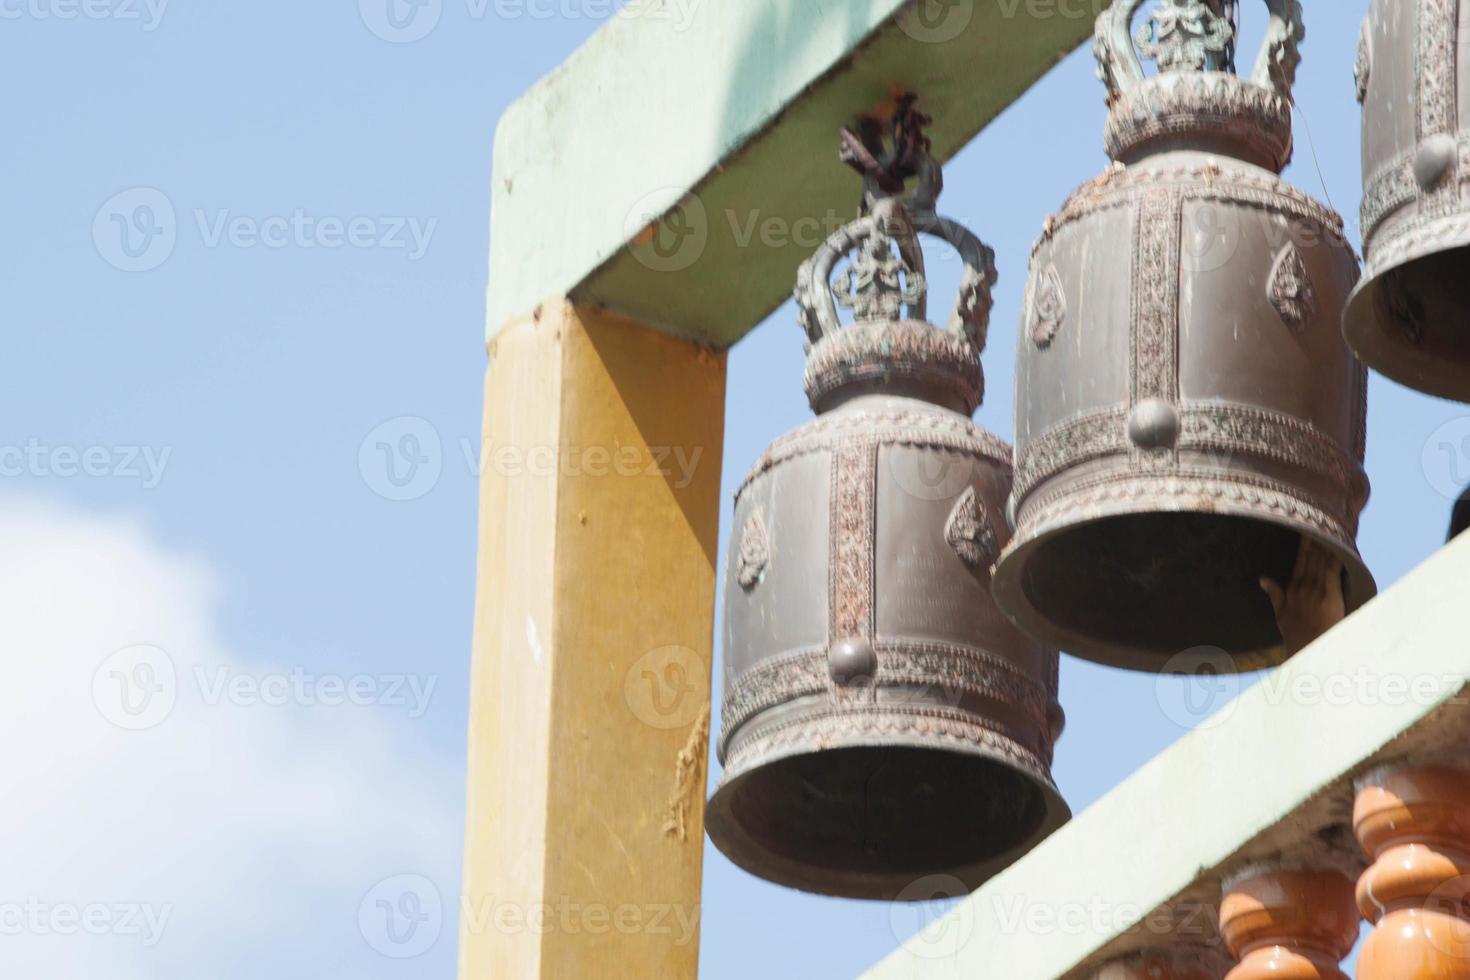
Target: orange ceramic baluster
<point>1289,925</point>
<point>1415,825</point>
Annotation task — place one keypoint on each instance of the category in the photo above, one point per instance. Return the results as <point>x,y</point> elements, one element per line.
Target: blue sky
<point>195,501</point>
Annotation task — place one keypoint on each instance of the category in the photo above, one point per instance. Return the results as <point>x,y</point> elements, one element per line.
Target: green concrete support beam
<point>681,164</point>
<point>1266,779</point>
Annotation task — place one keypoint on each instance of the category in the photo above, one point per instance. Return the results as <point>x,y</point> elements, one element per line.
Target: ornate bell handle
<point>814,293</point>
<point>1281,53</point>
<point>970,318</point>
<point>893,219</point>
<point>1121,68</point>
<point>1118,64</point>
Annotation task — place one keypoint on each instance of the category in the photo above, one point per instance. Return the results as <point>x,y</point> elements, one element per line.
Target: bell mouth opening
<point>1408,323</point>
<point>869,822</point>
<point>1163,591</point>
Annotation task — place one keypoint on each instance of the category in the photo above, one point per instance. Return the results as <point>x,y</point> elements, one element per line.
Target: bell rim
<point>741,849</point>
<point>1368,336</point>
<point>1010,597</point>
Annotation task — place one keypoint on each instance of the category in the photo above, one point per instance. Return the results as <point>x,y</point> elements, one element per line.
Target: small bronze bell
<point>1186,407</point>
<point>882,721</point>
<point>1408,317</point>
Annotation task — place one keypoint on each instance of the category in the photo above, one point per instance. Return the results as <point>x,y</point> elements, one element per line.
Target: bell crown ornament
<point>1187,412</point>
<point>882,722</point>
<point>889,346</point>
<point>1407,317</point>
<point>1196,99</point>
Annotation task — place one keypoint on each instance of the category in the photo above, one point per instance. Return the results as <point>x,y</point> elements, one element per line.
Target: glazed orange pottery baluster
<point>1289,925</point>
<point>1415,825</point>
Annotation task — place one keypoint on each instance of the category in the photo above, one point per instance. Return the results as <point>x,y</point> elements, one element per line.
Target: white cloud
<point>246,832</point>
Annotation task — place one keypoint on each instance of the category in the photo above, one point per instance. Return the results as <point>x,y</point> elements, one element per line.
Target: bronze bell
<point>882,721</point>
<point>1407,319</point>
<point>1186,407</point>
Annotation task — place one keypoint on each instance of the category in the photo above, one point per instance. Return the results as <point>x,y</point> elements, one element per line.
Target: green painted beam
<point>1268,777</point>
<point>682,163</point>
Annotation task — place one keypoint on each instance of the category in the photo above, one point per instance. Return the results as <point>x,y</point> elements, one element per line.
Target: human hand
<point>1312,603</point>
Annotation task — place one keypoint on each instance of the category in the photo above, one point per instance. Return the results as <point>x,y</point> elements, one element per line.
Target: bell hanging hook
<point>887,166</point>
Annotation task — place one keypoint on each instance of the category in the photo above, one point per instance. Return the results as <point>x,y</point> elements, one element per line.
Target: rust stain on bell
<point>1408,319</point>
<point>882,721</point>
<point>1210,414</point>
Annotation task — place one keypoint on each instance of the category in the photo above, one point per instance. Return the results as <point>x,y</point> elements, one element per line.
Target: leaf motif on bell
<point>1291,289</point>
<point>969,532</point>
<point>1048,308</point>
<point>755,551</point>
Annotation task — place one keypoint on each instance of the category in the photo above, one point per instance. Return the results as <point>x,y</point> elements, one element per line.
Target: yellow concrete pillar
<point>589,719</point>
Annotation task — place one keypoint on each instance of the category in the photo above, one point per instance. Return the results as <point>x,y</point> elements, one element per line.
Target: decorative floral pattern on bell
<point>1188,35</point>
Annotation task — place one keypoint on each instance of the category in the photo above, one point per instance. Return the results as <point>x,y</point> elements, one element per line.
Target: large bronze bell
<point>882,721</point>
<point>1408,317</point>
<point>1186,407</point>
